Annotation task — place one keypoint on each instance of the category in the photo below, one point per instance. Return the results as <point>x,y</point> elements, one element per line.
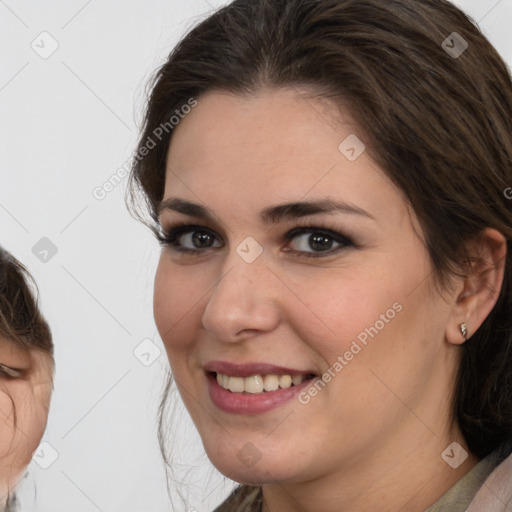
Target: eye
<point>187,238</point>
<point>8,372</point>
<point>320,240</point>
<point>194,240</point>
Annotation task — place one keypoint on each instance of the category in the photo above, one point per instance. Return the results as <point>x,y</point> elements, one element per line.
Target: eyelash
<point>169,238</point>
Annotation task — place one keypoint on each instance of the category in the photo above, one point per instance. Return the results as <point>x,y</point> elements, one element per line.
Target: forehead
<point>10,350</point>
<point>283,144</point>
<point>255,130</point>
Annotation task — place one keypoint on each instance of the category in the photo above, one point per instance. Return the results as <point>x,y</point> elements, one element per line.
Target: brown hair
<point>438,123</point>
<point>21,321</point>
<point>20,318</point>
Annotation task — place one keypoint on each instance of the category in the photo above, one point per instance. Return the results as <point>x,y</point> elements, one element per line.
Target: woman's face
<point>24,404</point>
<point>248,302</point>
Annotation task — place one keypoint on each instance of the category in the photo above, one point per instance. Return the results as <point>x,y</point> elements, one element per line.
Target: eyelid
<point>179,228</point>
<point>173,232</point>
<point>10,372</point>
<point>324,227</point>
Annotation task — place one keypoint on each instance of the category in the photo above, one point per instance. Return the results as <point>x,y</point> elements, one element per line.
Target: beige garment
<point>495,495</point>
<point>485,488</point>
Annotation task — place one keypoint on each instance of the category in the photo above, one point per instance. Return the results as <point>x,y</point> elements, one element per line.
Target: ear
<point>481,287</point>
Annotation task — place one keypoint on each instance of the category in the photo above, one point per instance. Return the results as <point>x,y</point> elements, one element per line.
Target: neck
<point>406,475</point>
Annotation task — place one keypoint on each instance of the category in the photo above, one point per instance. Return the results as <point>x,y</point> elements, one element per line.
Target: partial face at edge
<point>28,397</point>
<point>238,156</point>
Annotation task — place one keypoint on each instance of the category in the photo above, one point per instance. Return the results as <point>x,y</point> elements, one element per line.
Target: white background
<point>67,123</point>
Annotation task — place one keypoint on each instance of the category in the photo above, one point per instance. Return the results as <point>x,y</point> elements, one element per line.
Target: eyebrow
<point>270,215</point>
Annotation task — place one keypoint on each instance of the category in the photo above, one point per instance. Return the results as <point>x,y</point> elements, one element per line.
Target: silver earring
<point>464,331</point>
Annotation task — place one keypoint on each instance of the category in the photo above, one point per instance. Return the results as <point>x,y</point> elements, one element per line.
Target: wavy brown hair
<point>439,125</point>
<point>21,321</point>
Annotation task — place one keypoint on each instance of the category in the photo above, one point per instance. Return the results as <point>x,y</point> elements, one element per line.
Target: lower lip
<point>251,403</point>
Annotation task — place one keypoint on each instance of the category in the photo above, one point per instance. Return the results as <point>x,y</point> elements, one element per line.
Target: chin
<point>259,474</point>
<point>249,465</point>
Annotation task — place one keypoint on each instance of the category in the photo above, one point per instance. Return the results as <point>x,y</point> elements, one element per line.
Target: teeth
<point>297,379</point>
<point>236,384</point>
<point>258,384</point>
<point>253,384</point>
<point>285,381</point>
<point>271,382</point>
<point>222,380</point>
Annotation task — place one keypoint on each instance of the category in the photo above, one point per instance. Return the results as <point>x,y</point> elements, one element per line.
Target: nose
<point>243,302</point>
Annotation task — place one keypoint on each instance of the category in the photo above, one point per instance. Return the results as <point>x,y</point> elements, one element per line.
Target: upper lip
<point>249,369</point>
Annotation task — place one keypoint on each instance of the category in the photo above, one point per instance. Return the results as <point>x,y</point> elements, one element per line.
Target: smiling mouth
<point>257,384</point>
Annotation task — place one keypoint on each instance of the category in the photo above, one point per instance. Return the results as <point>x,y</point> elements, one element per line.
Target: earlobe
<point>482,286</point>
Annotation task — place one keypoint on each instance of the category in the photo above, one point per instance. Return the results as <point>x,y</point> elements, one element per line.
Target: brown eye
<point>314,242</point>
<point>189,239</point>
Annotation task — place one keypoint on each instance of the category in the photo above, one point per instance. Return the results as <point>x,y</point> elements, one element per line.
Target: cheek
<point>37,418</point>
<point>335,309</point>
<point>27,402</point>
<point>19,440</point>
<point>375,328</point>
<point>7,429</point>
<point>176,305</point>
<point>369,319</point>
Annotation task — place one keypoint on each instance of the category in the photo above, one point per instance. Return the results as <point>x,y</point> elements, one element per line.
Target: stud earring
<point>464,331</point>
